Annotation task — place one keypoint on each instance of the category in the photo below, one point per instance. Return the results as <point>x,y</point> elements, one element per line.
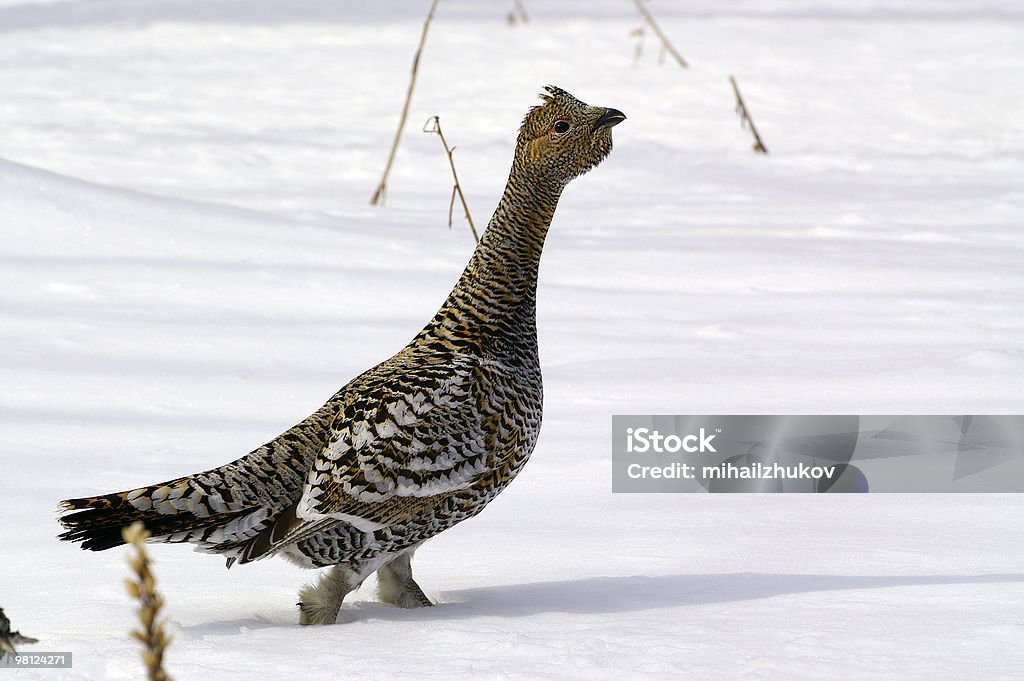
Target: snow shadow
<point>113,13</point>
<point>34,15</point>
<point>599,596</point>
<point>607,595</point>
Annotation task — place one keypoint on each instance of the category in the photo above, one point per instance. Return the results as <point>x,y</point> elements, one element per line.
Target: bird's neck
<point>495,299</point>
<point>507,258</point>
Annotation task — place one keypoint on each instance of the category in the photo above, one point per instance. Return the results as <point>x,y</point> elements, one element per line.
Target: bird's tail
<point>181,510</point>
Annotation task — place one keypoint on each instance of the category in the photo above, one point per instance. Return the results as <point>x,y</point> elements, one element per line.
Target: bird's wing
<point>410,439</point>
<point>405,436</point>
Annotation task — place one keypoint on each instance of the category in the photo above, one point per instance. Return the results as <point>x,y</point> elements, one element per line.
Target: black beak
<point>609,118</point>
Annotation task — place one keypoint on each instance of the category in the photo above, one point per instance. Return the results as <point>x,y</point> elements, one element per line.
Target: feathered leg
<point>320,603</point>
<point>396,586</point>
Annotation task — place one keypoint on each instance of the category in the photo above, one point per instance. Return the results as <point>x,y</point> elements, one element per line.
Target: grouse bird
<point>418,443</point>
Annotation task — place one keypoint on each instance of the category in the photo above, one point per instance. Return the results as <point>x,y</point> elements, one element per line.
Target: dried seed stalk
<point>142,587</point>
<point>746,120</point>
<point>649,18</point>
<point>378,194</point>
<point>433,125</point>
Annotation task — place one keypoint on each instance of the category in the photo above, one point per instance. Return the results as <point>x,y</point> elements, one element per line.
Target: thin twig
<point>638,33</point>
<point>143,588</point>
<point>649,18</point>
<point>745,119</point>
<point>378,194</point>
<point>433,125</point>
<point>521,11</point>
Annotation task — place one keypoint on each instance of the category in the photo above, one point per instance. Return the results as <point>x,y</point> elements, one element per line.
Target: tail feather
<point>179,510</point>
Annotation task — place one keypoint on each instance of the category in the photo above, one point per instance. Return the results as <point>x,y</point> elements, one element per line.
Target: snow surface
<point>190,266</point>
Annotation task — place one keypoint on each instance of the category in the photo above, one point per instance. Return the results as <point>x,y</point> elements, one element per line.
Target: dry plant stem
<point>649,18</point>
<point>143,589</point>
<point>433,125</point>
<point>741,109</point>
<point>521,11</point>
<point>638,33</point>
<point>378,194</point>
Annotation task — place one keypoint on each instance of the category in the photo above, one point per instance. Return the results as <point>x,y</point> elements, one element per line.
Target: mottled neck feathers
<point>494,302</point>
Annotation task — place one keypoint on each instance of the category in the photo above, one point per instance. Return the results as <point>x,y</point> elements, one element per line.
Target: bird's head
<point>563,138</point>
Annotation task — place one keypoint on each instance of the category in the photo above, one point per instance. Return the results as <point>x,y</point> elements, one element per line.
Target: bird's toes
<point>317,613</point>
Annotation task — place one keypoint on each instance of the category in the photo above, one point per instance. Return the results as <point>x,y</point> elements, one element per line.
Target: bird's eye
<point>560,127</point>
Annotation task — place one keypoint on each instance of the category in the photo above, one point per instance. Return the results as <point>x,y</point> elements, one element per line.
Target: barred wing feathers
<point>403,442</point>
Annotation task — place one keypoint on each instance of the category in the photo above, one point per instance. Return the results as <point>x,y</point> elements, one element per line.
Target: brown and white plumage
<point>412,446</point>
